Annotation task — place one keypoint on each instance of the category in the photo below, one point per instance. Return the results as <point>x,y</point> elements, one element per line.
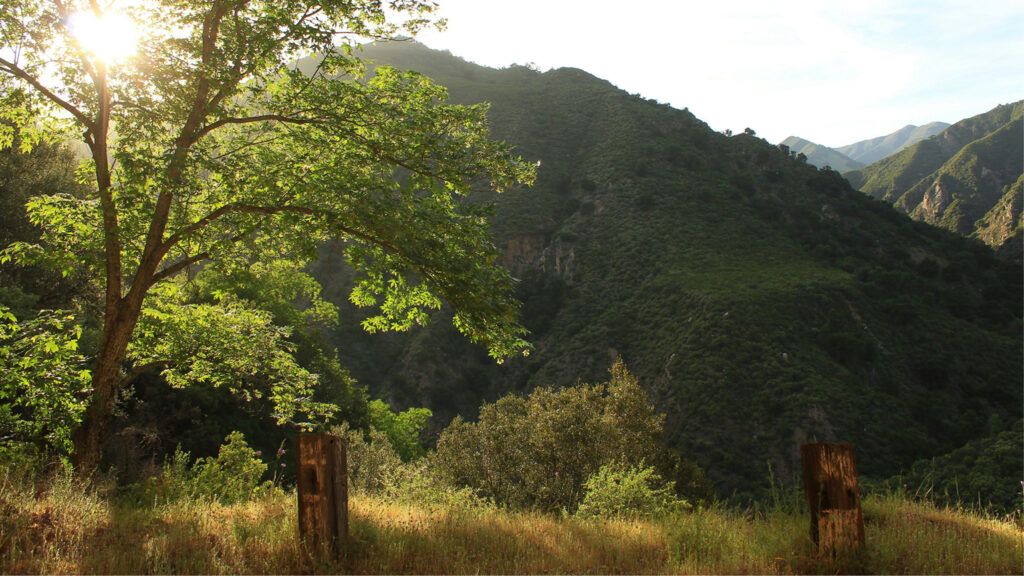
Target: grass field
<point>60,528</point>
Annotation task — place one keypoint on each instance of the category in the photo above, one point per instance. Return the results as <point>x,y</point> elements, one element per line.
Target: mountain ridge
<point>874,149</point>
<point>821,156</point>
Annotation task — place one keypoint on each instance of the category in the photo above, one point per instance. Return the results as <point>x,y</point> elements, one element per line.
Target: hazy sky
<point>833,72</point>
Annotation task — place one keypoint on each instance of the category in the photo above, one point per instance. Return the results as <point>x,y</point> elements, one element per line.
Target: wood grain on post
<point>323,493</point>
<point>833,497</point>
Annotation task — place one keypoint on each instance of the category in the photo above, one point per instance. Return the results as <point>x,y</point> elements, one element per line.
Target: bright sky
<point>831,71</point>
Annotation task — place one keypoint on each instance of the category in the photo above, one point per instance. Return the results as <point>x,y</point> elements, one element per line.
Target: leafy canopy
<point>209,147</point>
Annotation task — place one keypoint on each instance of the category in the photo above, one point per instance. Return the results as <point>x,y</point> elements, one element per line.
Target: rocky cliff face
<point>1001,226</point>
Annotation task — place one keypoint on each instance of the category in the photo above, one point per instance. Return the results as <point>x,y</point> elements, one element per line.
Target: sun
<point>110,37</point>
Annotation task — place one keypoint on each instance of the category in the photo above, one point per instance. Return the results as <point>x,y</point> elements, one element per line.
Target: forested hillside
<point>965,179</point>
<point>761,301</point>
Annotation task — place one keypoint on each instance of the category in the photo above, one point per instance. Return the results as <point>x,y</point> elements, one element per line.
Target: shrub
<point>537,452</point>
<point>232,476</point>
<point>617,490</point>
<point>375,468</point>
<point>403,429</point>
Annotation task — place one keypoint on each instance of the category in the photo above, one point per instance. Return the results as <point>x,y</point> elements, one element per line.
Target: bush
<point>617,490</point>
<point>537,452</point>
<point>375,468</point>
<point>233,476</point>
<point>403,429</point>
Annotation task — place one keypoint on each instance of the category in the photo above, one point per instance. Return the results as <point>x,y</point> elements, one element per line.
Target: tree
<point>539,451</point>
<point>208,146</point>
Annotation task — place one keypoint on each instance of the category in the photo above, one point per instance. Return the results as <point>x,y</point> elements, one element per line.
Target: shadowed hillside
<point>762,302</point>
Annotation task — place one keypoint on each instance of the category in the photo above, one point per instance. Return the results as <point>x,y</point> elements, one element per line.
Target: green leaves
<point>227,344</point>
<point>617,490</point>
<point>209,148</point>
<point>403,429</point>
<point>537,452</point>
<point>43,379</point>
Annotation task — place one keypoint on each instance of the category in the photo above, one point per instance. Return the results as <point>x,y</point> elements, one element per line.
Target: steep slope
<point>955,179</point>
<point>821,156</point>
<point>970,183</point>
<point>1002,225</point>
<point>874,149</point>
<point>761,301</point>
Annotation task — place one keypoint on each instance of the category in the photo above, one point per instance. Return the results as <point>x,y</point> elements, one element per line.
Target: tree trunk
<point>106,379</point>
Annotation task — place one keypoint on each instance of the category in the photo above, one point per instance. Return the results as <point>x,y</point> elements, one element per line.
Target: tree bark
<point>106,379</point>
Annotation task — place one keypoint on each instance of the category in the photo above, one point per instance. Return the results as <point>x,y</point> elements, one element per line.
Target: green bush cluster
<point>375,467</point>
<point>620,491</point>
<point>538,452</point>
<point>234,475</point>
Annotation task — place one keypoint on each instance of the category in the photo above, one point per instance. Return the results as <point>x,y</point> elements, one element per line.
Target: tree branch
<point>137,371</point>
<point>251,209</point>
<point>251,119</point>
<point>153,251</point>
<point>15,70</point>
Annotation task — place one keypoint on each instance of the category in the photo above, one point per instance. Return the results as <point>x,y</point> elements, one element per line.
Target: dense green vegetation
<point>762,302</point>
<point>541,452</point>
<point>961,179</point>
<point>979,474</point>
<point>228,162</point>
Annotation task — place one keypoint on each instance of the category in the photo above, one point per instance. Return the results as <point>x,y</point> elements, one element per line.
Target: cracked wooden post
<point>323,494</point>
<point>833,497</point>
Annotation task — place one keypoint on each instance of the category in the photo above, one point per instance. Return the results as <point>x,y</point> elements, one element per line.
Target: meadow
<point>56,527</point>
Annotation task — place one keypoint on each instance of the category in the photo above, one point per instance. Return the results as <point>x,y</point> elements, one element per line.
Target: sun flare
<point>111,37</point>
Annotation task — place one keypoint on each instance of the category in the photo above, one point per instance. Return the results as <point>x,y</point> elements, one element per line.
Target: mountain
<point>821,156</point>
<point>857,155</point>
<point>965,179</point>
<point>761,301</point>
<point>874,149</point>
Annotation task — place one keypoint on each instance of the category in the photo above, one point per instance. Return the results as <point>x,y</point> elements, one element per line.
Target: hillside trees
<point>209,151</point>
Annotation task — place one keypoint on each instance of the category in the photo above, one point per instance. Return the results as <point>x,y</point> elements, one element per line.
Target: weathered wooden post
<point>323,494</point>
<point>830,480</point>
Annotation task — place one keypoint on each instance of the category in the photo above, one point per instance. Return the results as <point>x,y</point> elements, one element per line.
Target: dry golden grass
<point>67,530</point>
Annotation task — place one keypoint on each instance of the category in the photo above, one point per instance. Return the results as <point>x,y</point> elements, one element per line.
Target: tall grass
<point>59,528</point>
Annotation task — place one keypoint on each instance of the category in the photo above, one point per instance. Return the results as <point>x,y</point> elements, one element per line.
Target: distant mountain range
<point>859,154</point>
<point>761,301</point>
<point>873,150</point>
<point>967,179</point>
<point>821,156</point>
